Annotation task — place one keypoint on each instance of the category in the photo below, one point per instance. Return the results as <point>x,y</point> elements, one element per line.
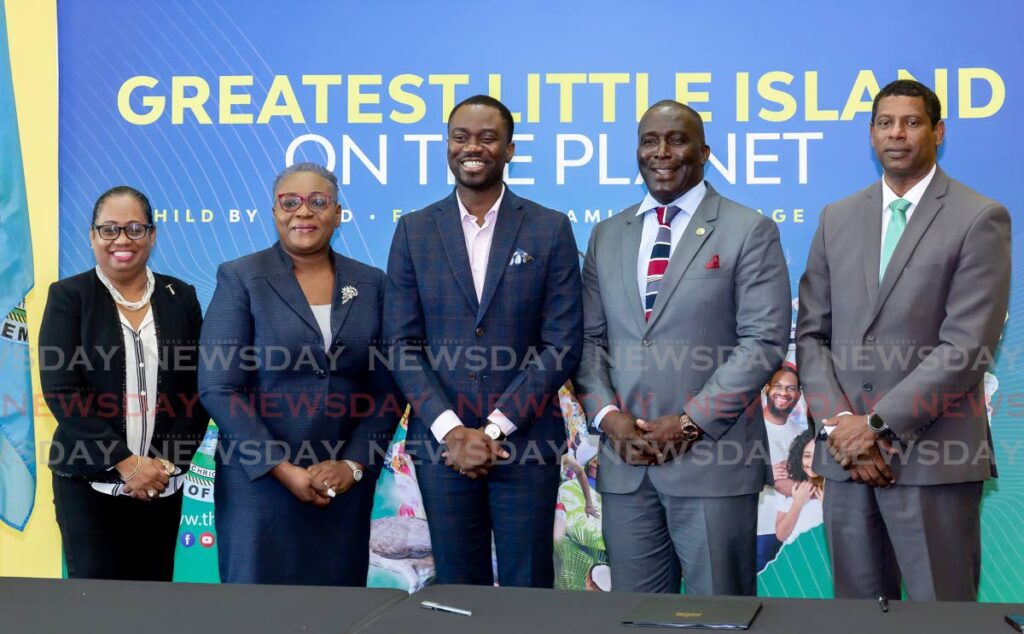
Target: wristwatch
<point>494,432</point>
<point>357,471</point>
<point>690,430</point>
<point>876,424</point>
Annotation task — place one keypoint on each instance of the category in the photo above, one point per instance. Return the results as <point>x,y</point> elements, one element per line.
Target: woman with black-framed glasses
<point>118,370</point>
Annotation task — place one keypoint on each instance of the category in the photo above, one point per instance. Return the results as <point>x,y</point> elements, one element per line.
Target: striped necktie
<point>659,257</point>
<point>897,223</point>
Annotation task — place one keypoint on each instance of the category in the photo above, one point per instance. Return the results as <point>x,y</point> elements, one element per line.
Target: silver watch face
<point>357,473</point>
<point>493,431</point>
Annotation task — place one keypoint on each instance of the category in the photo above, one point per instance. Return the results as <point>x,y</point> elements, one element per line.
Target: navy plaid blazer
<point>512,349</point>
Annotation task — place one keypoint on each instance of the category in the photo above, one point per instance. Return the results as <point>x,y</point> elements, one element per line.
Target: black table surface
<point>137,607</point>
<point>529,611</point>
<point>70,605</point>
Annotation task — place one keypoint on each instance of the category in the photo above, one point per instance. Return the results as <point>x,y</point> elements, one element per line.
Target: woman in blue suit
<point>304,416</point>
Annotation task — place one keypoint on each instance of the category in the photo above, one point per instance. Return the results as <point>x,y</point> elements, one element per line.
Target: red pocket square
<point>712,263</point>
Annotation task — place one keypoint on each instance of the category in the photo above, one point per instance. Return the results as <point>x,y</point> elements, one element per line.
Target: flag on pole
<point>17,438</point>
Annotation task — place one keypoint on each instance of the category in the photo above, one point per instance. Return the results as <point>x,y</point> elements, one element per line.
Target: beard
<point>780,413</point>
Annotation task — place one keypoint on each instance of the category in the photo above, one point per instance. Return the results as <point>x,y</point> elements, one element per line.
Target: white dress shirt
<point>913,196</point>
<point>687,204</point>
<point>141,364</point>
<point>478,240</point>
<point>478,245</point>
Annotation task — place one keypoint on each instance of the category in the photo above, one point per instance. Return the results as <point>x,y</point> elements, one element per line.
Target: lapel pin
<point>700,231</point>
<point>170,289</point>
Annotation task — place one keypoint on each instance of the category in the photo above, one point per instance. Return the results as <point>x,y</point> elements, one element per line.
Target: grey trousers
<point>928,537</point>
<point>653,539</point>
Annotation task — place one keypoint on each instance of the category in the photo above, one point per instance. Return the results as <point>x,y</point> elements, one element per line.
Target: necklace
<point>119,298</point>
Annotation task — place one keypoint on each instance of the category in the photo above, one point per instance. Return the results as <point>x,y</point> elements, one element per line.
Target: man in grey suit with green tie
<point>686,304</point>
<point>901,308</point>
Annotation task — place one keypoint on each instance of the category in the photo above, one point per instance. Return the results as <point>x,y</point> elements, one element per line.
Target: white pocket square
<point>520,257</point>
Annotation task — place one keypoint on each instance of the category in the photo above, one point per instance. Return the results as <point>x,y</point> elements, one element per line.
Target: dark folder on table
<point>709,613</point>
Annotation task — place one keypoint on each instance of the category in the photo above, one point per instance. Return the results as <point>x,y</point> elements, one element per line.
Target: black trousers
<point>115,537</point>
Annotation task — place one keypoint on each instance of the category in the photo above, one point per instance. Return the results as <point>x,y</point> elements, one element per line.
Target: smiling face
<point>807,459</point>
<point>303,232</point>
<point>671,152</point>
<point>478,147</point>
<point>905,141</point>
<point>783,394</point>
<point>121,259</point>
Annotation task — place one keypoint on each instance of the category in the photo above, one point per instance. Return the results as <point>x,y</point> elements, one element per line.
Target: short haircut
<point>795,461</point>
<point>788,368</point>
<point>675,105</point>
<point>123,190</point>
<point>314,168</point>
<point>491,102</point>
<point>910,88</point>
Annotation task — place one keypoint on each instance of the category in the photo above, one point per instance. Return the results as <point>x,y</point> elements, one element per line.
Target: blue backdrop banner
<point>200,104</point>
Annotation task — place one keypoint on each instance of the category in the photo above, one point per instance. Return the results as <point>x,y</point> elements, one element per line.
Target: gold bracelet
<point>138,465</point>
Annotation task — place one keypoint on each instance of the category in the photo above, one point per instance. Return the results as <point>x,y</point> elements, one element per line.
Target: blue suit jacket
<point>511,350</point>
<point>273,389</point>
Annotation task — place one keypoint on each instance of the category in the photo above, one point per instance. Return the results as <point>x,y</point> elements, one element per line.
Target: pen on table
<point>430,605</point>
<point>884,604</point>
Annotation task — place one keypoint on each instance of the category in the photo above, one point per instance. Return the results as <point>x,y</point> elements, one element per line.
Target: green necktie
<point>897,223</point>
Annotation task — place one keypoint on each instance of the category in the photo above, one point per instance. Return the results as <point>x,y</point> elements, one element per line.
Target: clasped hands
<point>471,452</point>
<point>859,450</point>
<point>641,442</point>
<point>313,484</point>
<point>145,478</point>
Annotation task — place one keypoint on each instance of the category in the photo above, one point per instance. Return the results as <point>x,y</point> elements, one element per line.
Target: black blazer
<point>82,373</point>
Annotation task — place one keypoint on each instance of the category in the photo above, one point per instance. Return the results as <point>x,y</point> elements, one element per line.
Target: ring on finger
<point>151,493</point>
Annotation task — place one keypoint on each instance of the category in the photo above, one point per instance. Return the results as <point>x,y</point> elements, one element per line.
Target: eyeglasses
<point>788,389</point>
<point>316,202</point>
<point>134,230</point>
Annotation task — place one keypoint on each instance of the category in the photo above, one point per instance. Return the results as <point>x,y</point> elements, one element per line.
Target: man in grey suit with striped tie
<point>901,308</point>
<point>686,303</point>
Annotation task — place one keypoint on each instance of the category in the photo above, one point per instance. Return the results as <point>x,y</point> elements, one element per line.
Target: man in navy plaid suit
<point>484,320</point>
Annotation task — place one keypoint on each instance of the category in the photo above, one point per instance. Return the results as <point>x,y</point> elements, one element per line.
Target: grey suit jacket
<point>713,340</point>
<point>915,347</point>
